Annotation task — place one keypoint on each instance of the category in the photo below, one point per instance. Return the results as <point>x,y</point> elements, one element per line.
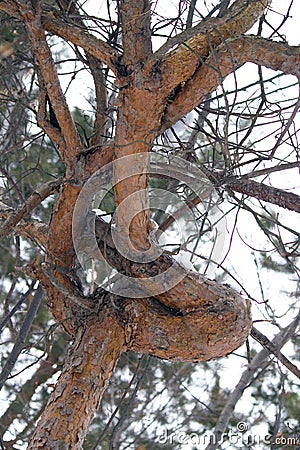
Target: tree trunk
<point>87,370</point>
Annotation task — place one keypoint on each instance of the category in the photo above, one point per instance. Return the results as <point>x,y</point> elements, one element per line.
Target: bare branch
<point>271,348</point>
<point>20,341</point>
<point>96,68</point>
<point>34,230</point>
<point>14,217</point>
<point>56,23</point>
<point>180,64</point>
<point>99,129</point>
<point>23,397</point>
<point>42,53</point>
<point>52,132</point>
<point>81,37</point>
<point>229,57</point>
<point>16,307</point>
<point>268,170</point>
<point>270,194</point>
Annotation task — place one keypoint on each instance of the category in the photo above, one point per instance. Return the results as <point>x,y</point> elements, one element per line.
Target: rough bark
<point>197,320</point>
<point>270,194</point>
<point>87,370</point>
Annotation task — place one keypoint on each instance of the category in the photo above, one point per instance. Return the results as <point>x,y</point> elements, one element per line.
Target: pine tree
<point>120,166</point>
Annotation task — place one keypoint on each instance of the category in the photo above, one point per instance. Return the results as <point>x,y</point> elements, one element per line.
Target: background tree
<point>169,84</point>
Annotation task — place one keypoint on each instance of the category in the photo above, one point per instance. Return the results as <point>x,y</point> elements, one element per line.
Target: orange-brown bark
<point>43,55</point>
<point>180,64</point>
<point>136,129</point>
<point>197,320</point>
<point>87,370</point>
<point>60,259</point>
<point>224,60</point>
<point>136,32</point>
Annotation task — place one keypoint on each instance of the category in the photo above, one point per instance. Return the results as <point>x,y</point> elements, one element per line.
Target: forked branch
<point>42,53</point>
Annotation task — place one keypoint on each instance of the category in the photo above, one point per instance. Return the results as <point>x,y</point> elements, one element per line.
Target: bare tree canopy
<point>149,213</point>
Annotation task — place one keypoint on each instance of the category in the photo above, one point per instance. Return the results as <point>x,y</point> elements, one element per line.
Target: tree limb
<point>100,122</point>
<point>224,60</point>
<point>14,217</point>
<point>42,53</point>
<point>180,64</point>
<point>96,68</point>
<point>52,132</point>
<point>266,193</point>
<point>56,23</point>
<point>21,338</point>
<point>34,230</point>
<point>81,37</point>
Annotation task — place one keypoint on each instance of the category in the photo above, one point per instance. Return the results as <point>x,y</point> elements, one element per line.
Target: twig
<point>16,307</point>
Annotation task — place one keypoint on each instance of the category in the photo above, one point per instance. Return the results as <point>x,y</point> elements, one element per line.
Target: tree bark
<point>87,370</point>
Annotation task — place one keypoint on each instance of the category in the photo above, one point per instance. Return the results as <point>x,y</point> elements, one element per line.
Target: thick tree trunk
<point>88,368</point>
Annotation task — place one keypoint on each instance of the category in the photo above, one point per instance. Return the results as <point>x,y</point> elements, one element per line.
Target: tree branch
<point>15,216</point>
<point>96,68</point>
<point>180,64</point>
<point>224,60</point>
<point>52,131</point>
<point>100,122</point>
<point>42,53</point>
<point>56,23</point>
<point>16,307</point>
<point>34,230</point>
<point>271,348</point>
<point>20,341</point>
<point>268,170</point>
<point>79,36</point>
<point>270,194</point>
